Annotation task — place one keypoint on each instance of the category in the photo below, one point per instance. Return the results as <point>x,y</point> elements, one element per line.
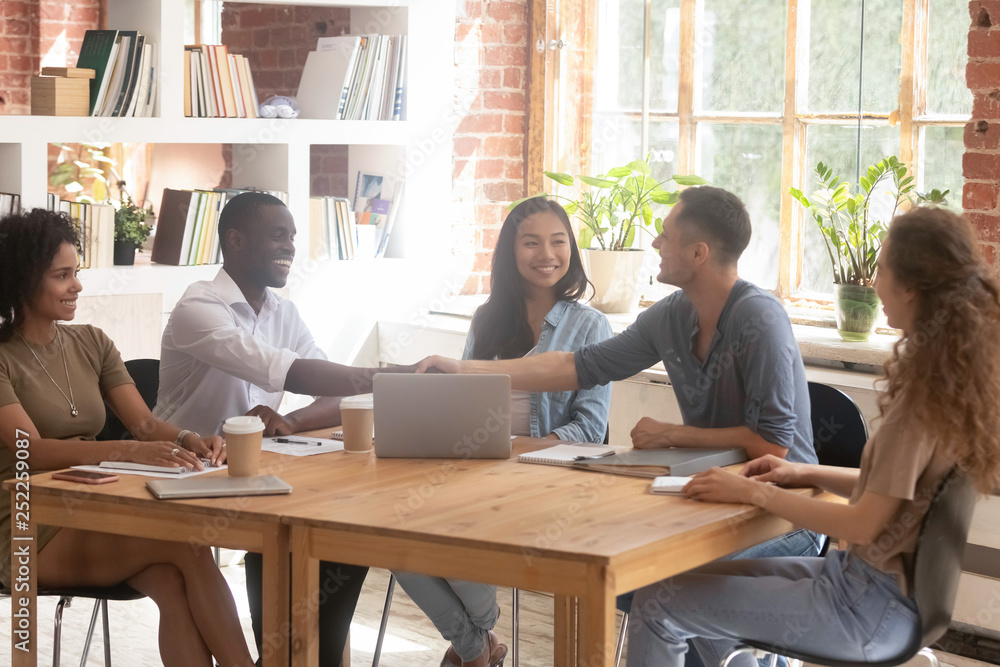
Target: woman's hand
<point>652,434</point>
<point>773,469</point>
<point>720,486</point>
<point>210,447</point>
<point>438,364</point>
<point>160,453</point>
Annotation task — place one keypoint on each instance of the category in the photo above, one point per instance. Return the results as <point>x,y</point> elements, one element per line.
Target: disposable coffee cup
<point>243,437</point>
<point>356,413</point>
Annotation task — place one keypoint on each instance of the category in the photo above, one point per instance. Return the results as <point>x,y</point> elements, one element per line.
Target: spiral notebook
<point>566,454</point>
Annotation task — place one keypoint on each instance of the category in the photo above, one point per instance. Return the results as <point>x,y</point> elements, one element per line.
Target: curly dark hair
<point>946,371</point>
<point>29,242</point>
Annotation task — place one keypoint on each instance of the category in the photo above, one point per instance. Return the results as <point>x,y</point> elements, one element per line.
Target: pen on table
<point>595,456</point>
<point>288,441</point>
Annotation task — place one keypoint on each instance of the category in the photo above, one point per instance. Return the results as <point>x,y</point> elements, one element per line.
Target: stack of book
<point>125,72</point>
<point>187,227</point>
<point>9,204</point>
<point>355,77</point>
<point>332,230</point>
<point>96,227</point>
<point>217,84</point>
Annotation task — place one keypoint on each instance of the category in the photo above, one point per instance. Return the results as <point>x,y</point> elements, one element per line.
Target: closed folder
<point>674,461</point>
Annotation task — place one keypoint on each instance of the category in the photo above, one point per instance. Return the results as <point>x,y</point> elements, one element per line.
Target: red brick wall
<point>491,55</point>
<point>981,164</point>
<point>37,32</point>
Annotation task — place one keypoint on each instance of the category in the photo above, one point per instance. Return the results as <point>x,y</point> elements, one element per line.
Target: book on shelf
<point>124,62</point>
<point>217,84</point>
<point>9,203</point>
<point>354,77</point>
<point>672,461</point>
<point>97,52</point>
<point>376,203</point>
<point>95,225</point>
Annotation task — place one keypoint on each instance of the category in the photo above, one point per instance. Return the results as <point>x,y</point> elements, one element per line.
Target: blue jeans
<point>838,607</point>
<point>798,543</point>
<point>462,611</point>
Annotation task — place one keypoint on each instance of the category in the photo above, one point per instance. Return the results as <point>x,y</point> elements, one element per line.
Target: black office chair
<point>839,428</point>
<point>146,373</point>
<point>936,570</point>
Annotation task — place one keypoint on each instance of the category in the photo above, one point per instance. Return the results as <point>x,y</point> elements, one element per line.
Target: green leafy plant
<point>615,204</point>
<point>130,223</point>
<point>847,220</point>
<point>79,172</point>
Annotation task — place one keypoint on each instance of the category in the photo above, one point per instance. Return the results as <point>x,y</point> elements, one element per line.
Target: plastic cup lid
<point>359,402</point>
<point>243,425</point>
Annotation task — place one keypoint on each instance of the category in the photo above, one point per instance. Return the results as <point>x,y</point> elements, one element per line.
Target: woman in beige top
<point>54,380</point>
<point>939,410</point>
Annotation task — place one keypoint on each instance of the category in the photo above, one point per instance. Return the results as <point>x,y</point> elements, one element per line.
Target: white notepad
<point>566,454</point>
<point>669,485</point>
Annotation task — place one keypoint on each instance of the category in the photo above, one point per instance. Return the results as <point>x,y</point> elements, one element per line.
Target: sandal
<point>493,653</point>
<point>451,658</point>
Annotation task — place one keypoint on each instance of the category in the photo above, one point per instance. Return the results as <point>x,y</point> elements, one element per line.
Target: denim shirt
<point>572,415</point>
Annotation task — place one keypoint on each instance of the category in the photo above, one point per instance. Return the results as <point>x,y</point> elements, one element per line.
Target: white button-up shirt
<point>218,358</point>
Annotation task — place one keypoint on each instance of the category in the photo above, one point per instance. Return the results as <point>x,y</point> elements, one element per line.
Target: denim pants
<point>838,607</point>
<point>462,611</point>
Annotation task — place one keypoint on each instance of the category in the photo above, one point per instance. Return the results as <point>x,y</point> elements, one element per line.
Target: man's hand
<point>652,434</point>
<point>772,469</point>
<point>274,424</point>
<point>438,364</point>
<point>719,486</point>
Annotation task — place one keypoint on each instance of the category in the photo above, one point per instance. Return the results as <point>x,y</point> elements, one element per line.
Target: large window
<point>752,95</point>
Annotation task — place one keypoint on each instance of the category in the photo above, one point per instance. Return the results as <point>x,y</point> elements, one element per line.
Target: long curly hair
<point>946,370</point>
<point>29,242</point>
<point>500,325</point>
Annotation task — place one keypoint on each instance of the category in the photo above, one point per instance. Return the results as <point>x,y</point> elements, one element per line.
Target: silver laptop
<point>217,487</point>
<point>435,416</point>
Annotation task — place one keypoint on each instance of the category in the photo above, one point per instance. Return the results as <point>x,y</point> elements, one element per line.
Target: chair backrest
<point>146,374</point>
<point>938,555</point>
<point>839,428</point>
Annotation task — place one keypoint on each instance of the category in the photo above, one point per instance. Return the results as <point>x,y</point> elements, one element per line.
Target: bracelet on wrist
<point>183,434</point>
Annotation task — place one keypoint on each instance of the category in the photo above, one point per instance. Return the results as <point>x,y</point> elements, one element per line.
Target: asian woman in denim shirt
<point>535,287</point>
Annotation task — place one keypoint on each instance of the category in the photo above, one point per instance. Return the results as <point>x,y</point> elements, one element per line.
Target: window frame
<point>549,20</point>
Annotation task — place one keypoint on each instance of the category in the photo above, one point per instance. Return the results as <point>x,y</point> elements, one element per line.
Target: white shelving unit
<point>275,153</point>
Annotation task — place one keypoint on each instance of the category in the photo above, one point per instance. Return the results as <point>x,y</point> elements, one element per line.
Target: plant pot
<point>615,274</point>
<point>857,308</point>
<point>124,253</point>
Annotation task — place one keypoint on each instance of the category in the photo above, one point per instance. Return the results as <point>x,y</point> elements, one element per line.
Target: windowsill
<point>819,342</point>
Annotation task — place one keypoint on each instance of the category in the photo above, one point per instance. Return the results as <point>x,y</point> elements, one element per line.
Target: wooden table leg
<point>564,631</point>
<point>596,617</point>
<point>275,594</point>
<point>305,600</point>
<point>23,601</point>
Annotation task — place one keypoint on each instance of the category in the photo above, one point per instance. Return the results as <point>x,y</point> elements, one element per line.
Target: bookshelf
<point>275,153</point>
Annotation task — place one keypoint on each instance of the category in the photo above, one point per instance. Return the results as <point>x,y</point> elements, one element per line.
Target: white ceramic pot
<point>615,274</point>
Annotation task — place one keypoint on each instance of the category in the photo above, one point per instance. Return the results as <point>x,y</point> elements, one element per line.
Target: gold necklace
<point>69,399</point>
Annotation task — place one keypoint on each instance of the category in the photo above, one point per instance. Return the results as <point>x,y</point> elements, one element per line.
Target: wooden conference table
<point>584,537</point>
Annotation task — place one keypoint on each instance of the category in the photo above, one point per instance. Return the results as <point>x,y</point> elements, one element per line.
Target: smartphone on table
<point>85,476</point>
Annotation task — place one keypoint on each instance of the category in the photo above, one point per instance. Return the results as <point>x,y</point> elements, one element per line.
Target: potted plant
<point>610,209</point>
<point>853,231</point>
<point>131,230</point>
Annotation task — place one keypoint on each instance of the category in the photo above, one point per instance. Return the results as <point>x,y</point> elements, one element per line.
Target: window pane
<point>618,75</point>
<point>941,162</point>
<point>835,54</point>
<point>947,55</point>
<point>746,160</point>
<point>836,147</point>
<point>740,56</point>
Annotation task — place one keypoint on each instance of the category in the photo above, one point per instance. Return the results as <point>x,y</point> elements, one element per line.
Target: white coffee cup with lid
<point>357,415</point>
<point>243,439</point>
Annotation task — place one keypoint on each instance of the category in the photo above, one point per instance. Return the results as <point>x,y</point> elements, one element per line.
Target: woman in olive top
<point>54,380</point>
<point>940,409</point>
